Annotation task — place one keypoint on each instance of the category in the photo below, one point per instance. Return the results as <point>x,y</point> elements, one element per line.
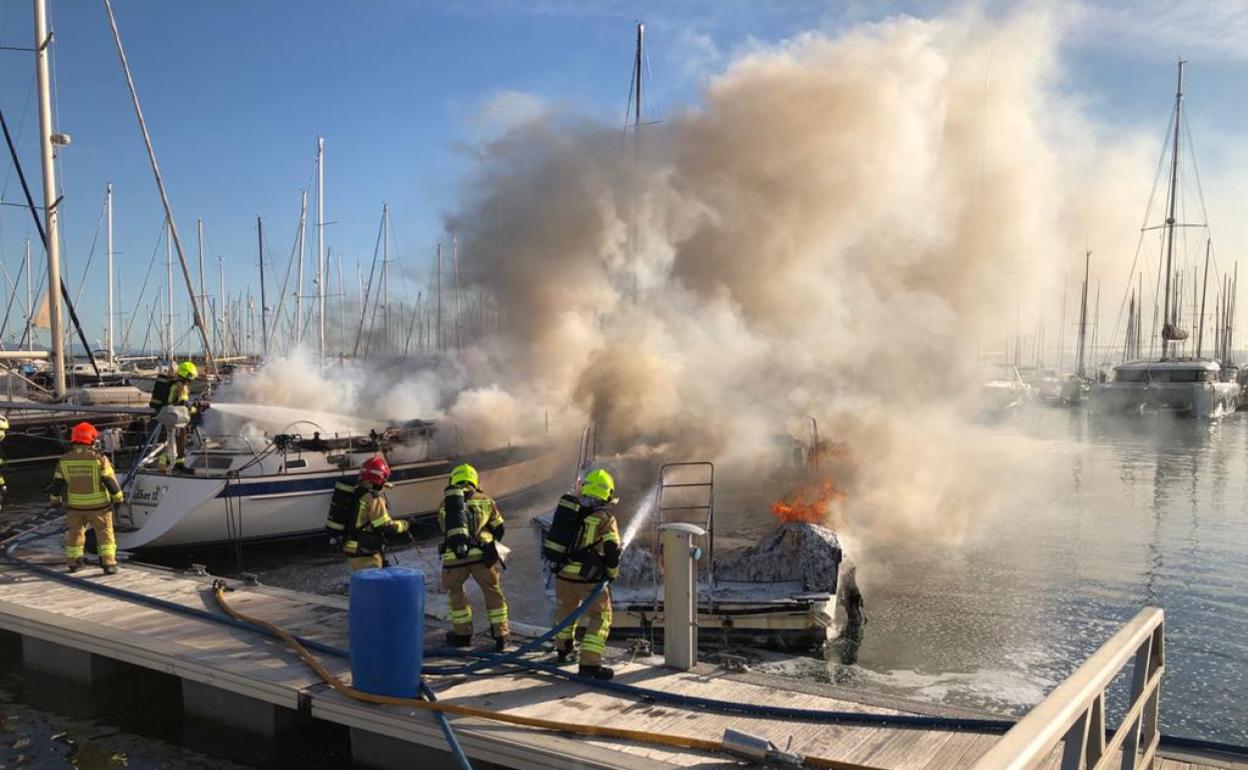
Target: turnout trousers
<point>76,523</point>
<point>372,561</point>
<point>489,579</point>
<point>568,595</point>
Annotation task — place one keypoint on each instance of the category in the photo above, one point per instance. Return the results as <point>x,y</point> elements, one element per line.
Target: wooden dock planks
<point>249,665</point>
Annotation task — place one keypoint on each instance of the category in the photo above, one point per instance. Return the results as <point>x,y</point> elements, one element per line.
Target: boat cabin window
<point>1167,374</point>
<point>1190,375</point>
<point>211,462</point>
<point>293,464</point>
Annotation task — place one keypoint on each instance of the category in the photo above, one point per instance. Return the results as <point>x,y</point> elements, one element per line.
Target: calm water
<point>1147,512</point>
<point>1128,514</point>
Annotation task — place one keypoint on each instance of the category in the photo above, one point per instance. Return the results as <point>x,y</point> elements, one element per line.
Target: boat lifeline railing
<point>1074,713</point>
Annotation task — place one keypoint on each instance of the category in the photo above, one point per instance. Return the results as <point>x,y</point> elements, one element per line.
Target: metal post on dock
<point>680,594</point>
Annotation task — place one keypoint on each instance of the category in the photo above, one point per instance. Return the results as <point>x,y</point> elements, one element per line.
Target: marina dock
<point>254,684</point>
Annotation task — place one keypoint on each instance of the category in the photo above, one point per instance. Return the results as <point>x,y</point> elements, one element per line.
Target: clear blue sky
<point>235,93</point>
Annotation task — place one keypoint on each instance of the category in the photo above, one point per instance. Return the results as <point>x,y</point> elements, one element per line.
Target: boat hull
<point>176,511</point>
<point>775,623</point>
<point>1208,400</point>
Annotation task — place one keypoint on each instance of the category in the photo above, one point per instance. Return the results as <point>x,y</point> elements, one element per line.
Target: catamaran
<point>1184,384</point>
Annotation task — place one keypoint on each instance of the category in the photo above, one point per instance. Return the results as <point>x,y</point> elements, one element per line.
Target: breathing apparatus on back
<point>597,490</point>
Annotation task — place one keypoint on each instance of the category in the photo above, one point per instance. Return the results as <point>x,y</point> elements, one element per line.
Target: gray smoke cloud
<point>836,230</point>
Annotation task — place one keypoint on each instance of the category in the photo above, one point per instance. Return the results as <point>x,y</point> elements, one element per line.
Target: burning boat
<point>781,593</point>
<point>244,488</point>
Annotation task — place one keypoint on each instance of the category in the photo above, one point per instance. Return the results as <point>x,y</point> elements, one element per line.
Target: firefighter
<point>593,556</point>
<point>365,539</point>
<point>472,531</point>
<point>171,398</point>
<point>85,485</point>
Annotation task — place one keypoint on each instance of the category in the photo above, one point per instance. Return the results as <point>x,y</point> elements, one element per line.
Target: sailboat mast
<point>264,306</point>
<point>439,271</point>
<point>320,247</point>
<point>385,277</point>
<point>1061,328</point>
<point>641,32</point>
<point>222,302</point>
<point>1081,361</point>
<point>1204,291</point>
<point>168,294</point>
<point>108,334</point>
<point>1170,215</point>
<point>199,258</point>
<point>51,217</point>
<point>30,306</point>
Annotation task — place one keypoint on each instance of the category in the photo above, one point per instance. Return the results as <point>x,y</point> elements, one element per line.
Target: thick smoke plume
<point>837,231</point>
<point>832,237</point>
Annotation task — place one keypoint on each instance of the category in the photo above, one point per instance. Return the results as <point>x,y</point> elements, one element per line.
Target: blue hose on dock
<point>452,740</point>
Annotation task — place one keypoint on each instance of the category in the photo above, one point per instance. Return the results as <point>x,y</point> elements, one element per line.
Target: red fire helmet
<point>375,471</point>
<point>84,433</point>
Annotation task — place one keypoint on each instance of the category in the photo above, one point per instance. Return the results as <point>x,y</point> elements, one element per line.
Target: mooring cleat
<point>458,640</point>
<point>595,672</point>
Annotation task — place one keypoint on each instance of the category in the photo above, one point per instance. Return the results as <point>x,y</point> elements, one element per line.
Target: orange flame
<point>809,503</point>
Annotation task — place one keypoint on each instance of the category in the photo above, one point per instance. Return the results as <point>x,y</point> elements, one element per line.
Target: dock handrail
<point>1074,713</point>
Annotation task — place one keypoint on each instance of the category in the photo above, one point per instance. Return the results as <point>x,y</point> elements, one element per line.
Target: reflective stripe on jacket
<point>599,535</point>
<point>84,481</point>
<point>484,523</point>
<point>367,534</point>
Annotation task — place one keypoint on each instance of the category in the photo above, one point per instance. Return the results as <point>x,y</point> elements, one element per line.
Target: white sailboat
<point>249,488</point>
<point>1195,386</point>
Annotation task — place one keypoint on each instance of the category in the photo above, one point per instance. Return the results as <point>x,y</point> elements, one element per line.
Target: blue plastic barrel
<point>387,630</point>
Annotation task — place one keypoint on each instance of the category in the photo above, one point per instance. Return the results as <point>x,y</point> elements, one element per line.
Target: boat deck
<point>53,615</point>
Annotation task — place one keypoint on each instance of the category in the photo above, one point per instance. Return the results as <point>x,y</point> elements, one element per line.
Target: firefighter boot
<point>110,569</point>
<point>501,642</point>
<point>458,640</point>
<point>566,650</point>
<point>595,672</point>
<point>75,565</point>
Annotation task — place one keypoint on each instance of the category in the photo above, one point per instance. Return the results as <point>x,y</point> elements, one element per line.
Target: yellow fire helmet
<point>465,473</point>
<point>599,485</point>
<point>187,370</point>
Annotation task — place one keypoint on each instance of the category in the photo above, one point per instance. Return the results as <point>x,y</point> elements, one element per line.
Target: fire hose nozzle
<point>757,749</point>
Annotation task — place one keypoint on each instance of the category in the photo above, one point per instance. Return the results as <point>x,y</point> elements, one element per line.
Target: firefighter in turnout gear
<point>472,532</point>
<point>171,398</point>
<point>592,555</point>
<point>85,485</point>
<point>364,542</point>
